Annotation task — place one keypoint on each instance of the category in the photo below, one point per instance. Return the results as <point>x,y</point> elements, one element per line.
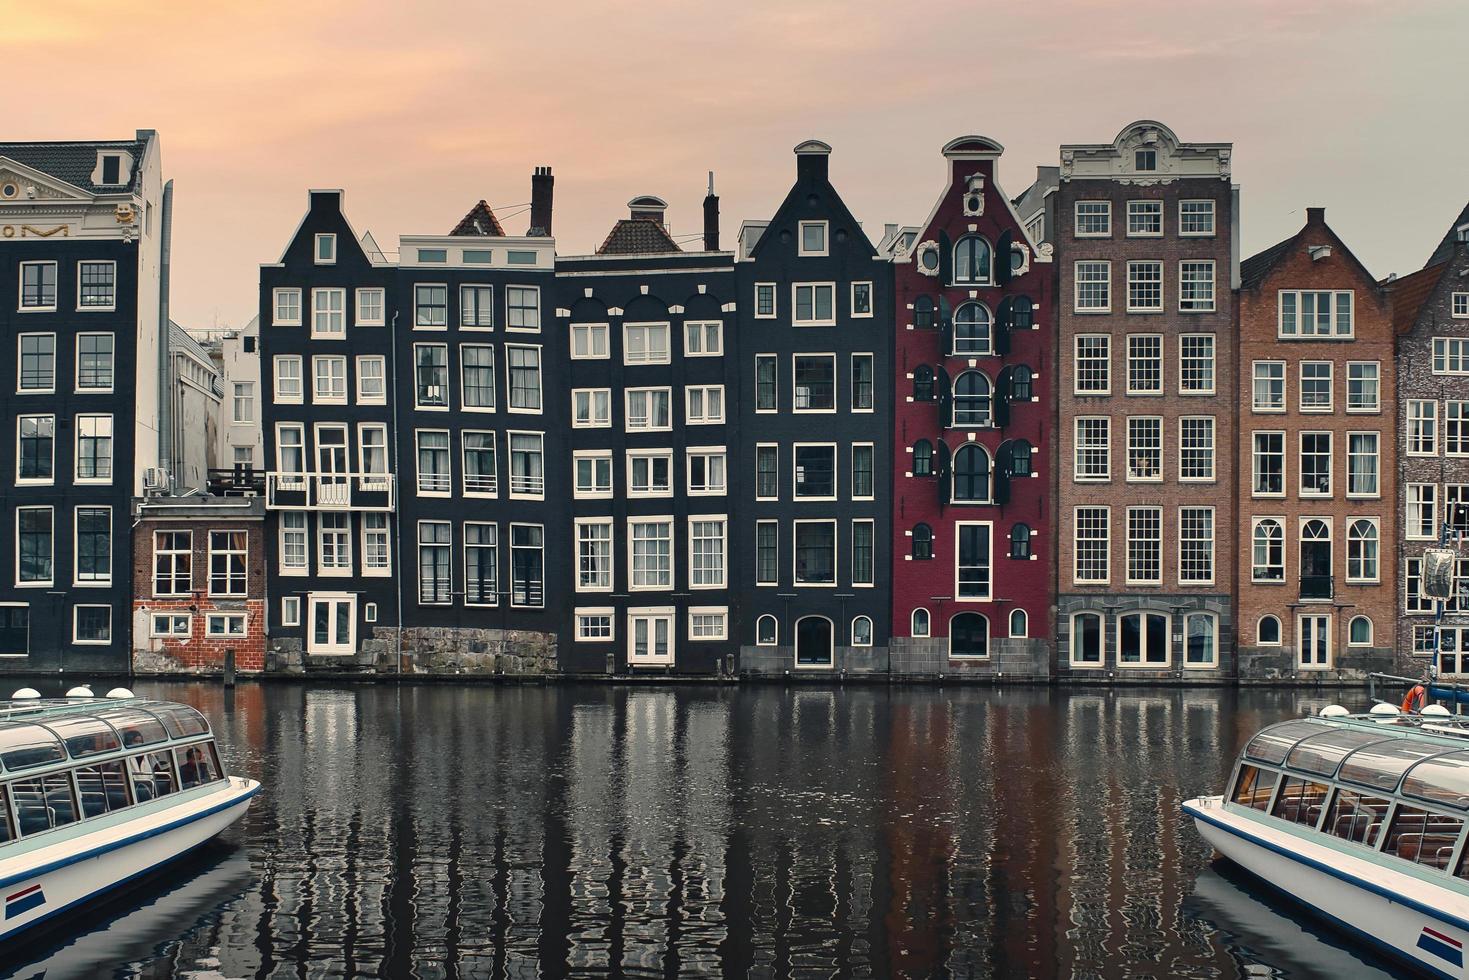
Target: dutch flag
<point>1444,947</point>
<point>23,901</point>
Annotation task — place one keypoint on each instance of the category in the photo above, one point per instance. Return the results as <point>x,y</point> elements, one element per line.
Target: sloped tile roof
<point>1445,250</point>
<point>74,162</point>
<point>637,236</point>
<point>1410,292</point>
<point>480,221</point>
<point>1253,270</point>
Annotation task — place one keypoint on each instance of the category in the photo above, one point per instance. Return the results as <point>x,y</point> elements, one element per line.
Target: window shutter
<point>944,390</point>
<point>946,259</point>
<point>946,327</point>
<point>1002,258</point>
<point>1001,398</point>
<point>1004,323</point>
<point>1002,473</point>
<point>943,470</point>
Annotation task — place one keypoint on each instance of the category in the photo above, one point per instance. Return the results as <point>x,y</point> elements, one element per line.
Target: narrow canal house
<point>973,508</point>
<point>648,331</point>
<point>83,314</point>
<point>1146,254</point>
<point>1316,402</point>
<point>814,349</point>
<point>1431,316</point>
<point>407,426</point>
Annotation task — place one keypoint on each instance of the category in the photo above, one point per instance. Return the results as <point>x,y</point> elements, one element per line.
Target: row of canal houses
<point>1067,433</point>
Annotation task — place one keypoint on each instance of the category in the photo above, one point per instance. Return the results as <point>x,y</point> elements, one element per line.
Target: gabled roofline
<point>52,180</point>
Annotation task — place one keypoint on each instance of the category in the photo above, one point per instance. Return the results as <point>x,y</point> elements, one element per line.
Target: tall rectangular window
<point>862,471</point>
<point>523,308</point>
<point>1269,464</point>
<point>481,564</point>
<point>1421,512</point>
<point>34,545</point>
<point>706,553</point>
<point>376,548</point>
<point>861,382</point>
<point>477,307</point>
<point>1363,386</point>
<point>1091,545</point>
<point>330,379</point>
<point>650,553</point>
<point>814,382</point>
<point>1144,364</point>
<point>972,561</point>
<point>527,473</point>
<point>1093,364</point>
<point>1145,286</point>
<point>767,553</point>
<point>94,545</point>
<point>372,384</point>
<point>1196,286</point>
<point>1269,390</point>
<point>479,463</point>
<point>334,543</point>
<point>1196,364</point>
<point>764,300</point>
<point>328,313</point>
<point>1456,428</point>
<point>1093,287</point>
<point>94,449</point>
<point>1195,545</point>
<point>94,361</point>
<point>1362,464</point>
<point>370,307</point>
<point>227,563</point>
<point>96,285</point>
<point>524,368</point>
<point>431,306</point>
<point>243,402</point>
<point>477,376</point>
<point>431,375</point>
<point>287,308</point>
<point>435,582</point>
<point>288,382</point>
<point>37,362</point>
<point>36,449</point>
<point>1196,448</point>
<point>1316,386</point>
<point>1093,449</point>
<point>1315,464</point>
<point>434,476</point>
<point>594,555</point>
<point>38,285</point>
<point>864,563</point>
<point>293,542</point>
<point>1422,427</point>
<point>815,552</point>
<point>1144,448</point>
<point>1144,545</point>
<point>767,472</point>
<point>173,562</point>
<point>765,383</point>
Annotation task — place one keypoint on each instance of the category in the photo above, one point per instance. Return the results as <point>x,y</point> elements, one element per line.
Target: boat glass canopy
<point>1322,754</point>
<point>1443,779</point>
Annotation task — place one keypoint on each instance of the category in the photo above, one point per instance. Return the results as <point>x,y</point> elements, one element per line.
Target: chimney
<point>647,208</point>
<point>541,186</point>
<point>1315,216</point>
<point>711,218</point>
<point>811,160</point>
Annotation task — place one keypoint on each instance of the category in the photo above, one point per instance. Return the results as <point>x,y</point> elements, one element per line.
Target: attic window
<point>433,255</point>
<point>326,249</point>
<point>1145,160</point>
<point>477,256</point>
<point>112,169</point>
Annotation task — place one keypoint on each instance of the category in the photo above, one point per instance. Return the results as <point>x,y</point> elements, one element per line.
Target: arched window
<point>1142,639</point>
<point>1267,631</point>
<point>971,474</point>
<point>1087,635</point>
<point>920,622</point>
<point>1022,315</point>
<point>1020,541</point>
<point>1019,623</point>
<point>1359,632</point>
<point>1020,384</point>
<point>1316,560</point>
<point>972,260</point>
<point>1362,551</point>
<point>973,333</point>
<point>862,632</point>
<point>972,404</point>
<point>969,635</point>
<point>766,631</point>
<point>1020,457</point>
<point>922,542</point>
<point>923,458</point>
<point>1200,646</point>
<point>923,383</point>
<point>923,313</point>
<point>1268,564</point>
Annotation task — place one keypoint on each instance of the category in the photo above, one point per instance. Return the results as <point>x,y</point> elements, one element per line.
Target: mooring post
<point>229,667</point>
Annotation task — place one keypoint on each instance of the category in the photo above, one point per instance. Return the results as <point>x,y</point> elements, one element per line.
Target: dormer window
<point>813,238</point>
<point>972,260</point>
<point>326,249</point>
<point>1145,160</point>
<point>111,169</point>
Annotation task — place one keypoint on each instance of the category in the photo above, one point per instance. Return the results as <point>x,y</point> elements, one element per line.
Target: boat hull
<point>1417,923</point>
<point>42,884</point>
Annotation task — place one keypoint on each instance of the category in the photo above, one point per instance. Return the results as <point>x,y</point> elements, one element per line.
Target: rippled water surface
<point>432,831</point>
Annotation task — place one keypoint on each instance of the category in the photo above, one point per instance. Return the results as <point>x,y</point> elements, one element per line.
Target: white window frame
<point>721,612</point>
<point>648,356</point>
<point>108,307</point>
<point>593,332</point>
<point>1134,278</point>
<point>700,329</point>
<point>329,302</point>
<point>1425,423</point>
<point>774,301</point>
<point>649,455</point>
<point>1376,405</point>
<point>664,520</point>
<point>1213,361</point>
<point>111,449</point>
<point>1144,207</point>
<point>540,404</point>
<point>989,592</point>
<point>112,364</point>
<point>704,392</point>
<point>836,477</point>
<point>328,398</point>
<point>1213,546</point>
<point>1377,465</point>
<point>324,255</point>
<point>510,325</point>
<point>606,562</point>
<point>836,553</point>
<point>1256,456</point>
<point>1211,210</point>
<point>464,405</point>
<point>1142,359</point>
<point>814,321</point>
<point>1155,423</point>
<point>1330,405</point>
<point>1106,542</point>
<point>20,303</point>
<point>1104,209</point>
<point>825,248</point>
<point>1255,378</point>
<point>581,613</point>
<point>706,453</point>
<point>1213,430</point>
<point>594,492</point>
<point>1332,321</point>
<point>1077,361</point>
<point>280,315</point>
<point>628,415</point>
<point>1078,471</point>
<point>1330,468</point>
<point>280,397</point>
<point>1281,522</point>
<point>594,421</point>
<point>1376,523</point>
<point>1188,304</point>
<point>76,615</point>
<point>1156,543</point>
<point>363,398</point>
<point>362,316</point>
<point>1106,283</point>
<point>723,521</point>
<point>871,301</point>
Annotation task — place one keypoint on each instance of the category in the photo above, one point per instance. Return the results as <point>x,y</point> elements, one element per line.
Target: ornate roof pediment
<point>20,184</point>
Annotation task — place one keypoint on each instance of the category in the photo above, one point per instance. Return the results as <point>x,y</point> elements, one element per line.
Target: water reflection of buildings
<point>505,832</point>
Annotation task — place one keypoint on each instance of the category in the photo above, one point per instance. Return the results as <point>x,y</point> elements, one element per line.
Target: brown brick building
<point>1317,461</point>
<point>198,583</point>
<point>1431,315</point>
<point>1146,256</point>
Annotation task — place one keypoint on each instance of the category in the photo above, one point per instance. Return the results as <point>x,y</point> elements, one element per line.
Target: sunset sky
<point>419,110</point>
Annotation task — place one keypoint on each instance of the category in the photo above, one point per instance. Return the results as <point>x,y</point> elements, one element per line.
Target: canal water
<point>754,831</point>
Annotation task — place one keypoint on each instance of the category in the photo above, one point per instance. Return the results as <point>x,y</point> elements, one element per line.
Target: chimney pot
<point>1315,216</point>
<point>711,218</point>
<point>812,158</point>
<point>542,185</point>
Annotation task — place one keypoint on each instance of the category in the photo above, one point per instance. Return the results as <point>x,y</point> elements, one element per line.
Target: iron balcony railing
<point>330,491</point>
<point>1316,587</point>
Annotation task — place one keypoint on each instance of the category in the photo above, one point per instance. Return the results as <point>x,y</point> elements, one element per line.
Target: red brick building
<point>198,584</point>
<point>1317,462</point>
<point>972,505</point>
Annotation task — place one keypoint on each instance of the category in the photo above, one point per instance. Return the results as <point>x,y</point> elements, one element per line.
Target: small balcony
<point>240,481</point>
<point>330,491</point>
<point>1316,587</point>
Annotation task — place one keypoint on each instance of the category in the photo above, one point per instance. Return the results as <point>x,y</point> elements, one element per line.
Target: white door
<point>331,465</point>
<point>1314,642</point>
<point>649,637</point>
<point>331,624</point>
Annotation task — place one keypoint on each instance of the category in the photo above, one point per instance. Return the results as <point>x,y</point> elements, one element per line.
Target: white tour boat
<point>96,792</point>
<point>1362,819</point>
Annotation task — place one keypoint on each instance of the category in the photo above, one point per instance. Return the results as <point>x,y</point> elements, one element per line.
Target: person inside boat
<point>139,771</point>
<point>193,772</point>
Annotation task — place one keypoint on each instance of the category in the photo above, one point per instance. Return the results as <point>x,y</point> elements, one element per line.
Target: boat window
<point>1423,837</point>
<point>1254,786</point>
<point>1356,817</point>
<point>181,720</point>
<point>7,833</point>
<point>152,775</point>
<point>1381,766</point>
<point>1272,743</point>
<point>1321,754</point>
<point>102,788</point>
<point>28,746</point>
<point>1444,780</point>
<point>197,765</point>
<point>1300,801</point>
<point>85,736</point>
<point>43,802</point>
<point>135,727</point>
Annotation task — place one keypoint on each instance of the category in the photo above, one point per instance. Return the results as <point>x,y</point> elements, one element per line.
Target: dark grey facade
<point>814,350</point>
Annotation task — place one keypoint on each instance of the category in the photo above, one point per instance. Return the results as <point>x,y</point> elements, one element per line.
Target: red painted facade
<point>938,268</point>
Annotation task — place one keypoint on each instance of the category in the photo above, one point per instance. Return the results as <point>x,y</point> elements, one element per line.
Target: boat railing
<point>1451,690</point>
